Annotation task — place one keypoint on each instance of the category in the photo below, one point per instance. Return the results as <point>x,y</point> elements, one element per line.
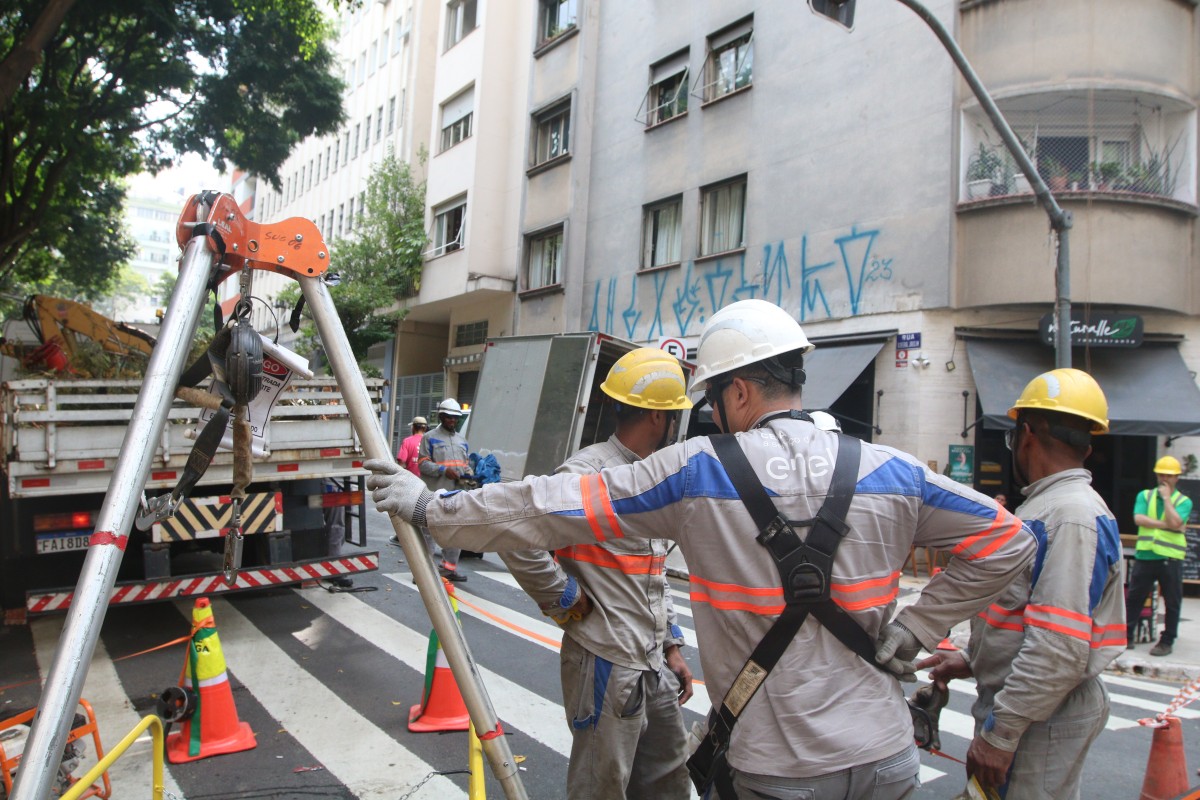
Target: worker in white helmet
<point>821,714</point>
<point>443,459</point>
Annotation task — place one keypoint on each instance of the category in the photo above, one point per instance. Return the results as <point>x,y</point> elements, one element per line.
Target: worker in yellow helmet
<point>623,676</point>
<point>1161,515</point>
<point>1038,651</point>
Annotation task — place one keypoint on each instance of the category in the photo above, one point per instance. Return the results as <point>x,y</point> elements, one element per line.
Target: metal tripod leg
<point>437,603</point>
<point>64,682</point>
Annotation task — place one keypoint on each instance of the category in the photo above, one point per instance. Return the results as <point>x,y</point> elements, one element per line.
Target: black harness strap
<point>804,568</point>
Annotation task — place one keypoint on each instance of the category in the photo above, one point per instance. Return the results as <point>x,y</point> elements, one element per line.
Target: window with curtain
<point>545,259</point>
<point>457,114</point>
<point>551,137</point>
<point>730,63</point>
<point>449,227</point>
<point>723,217</point>
<point>661,233</point>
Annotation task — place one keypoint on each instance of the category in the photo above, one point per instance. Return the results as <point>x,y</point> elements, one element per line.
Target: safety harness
<point>805,572</point>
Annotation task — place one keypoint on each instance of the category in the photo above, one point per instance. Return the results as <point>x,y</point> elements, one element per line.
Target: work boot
<point>452,575</point>
<point>1161,649</point>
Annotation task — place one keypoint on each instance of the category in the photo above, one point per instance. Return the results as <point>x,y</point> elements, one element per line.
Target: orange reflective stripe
<point>1108,636</point>
<point>1051,626</point>
<point>735,605</point>
<point>999,617</point>
<point>1074,616</point>
<point>1060,620</point>
<point>999,533</point>
<point>631,564</point>
<point>609,513</point>
<point>767,591</point>
<point>889,584</point>
<point>453,463</point>
<point>589,510</point>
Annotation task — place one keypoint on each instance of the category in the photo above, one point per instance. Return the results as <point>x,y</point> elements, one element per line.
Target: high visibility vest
<point>1164,544</point>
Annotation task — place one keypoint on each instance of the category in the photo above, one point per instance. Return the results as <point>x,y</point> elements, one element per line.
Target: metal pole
<point>437,602</point>
<point>64,682</point>
<point>1060,221</point>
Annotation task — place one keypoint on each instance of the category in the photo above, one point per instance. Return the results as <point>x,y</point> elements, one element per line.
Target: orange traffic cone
<point>214,728</point>
<point>441,707</point>
<point>944,644</point>
<point>1166,770</point>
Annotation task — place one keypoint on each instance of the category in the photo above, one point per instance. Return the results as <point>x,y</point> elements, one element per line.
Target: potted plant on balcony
<point>984,172</point>
<point>1055,173</point>
<point>1105,174</point>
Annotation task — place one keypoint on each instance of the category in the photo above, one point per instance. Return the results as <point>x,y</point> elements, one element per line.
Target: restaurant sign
<point>1096,328</point>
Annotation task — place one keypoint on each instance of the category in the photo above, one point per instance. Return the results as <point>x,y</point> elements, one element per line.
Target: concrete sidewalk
<point>1181,666</point>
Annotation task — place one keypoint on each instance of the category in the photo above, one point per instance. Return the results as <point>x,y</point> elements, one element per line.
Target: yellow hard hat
<point>1168,465</point>
<point>1067,391</point>
<point>648,378</point>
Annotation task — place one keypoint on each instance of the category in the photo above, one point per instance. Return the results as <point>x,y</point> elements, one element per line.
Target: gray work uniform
<point>622,705</point>
<point>1038,651</point>
<point>822,710</point>
<point>440,449</point>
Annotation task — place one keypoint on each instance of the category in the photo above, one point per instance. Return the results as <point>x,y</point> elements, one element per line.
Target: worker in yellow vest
<point>1161,515</point>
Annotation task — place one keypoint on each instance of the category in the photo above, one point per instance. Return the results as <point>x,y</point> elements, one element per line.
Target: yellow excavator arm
<point>52,317</point>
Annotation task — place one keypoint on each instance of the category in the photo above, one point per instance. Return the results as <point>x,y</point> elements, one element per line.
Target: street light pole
<point>842,12</point>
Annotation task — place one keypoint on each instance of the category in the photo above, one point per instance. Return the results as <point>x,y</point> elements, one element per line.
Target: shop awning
<point>1149,389</point>
<point>831,368</point>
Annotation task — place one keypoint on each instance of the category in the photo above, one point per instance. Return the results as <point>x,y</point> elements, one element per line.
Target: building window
<point>329,156</point>
<point>723,217</point>
<point>383,46</point>
<point>457,113</point>
<point>460,20</point>
<point>551,133</point>
<point>357,136</point>
<point>730,64</point>
<point>341,219</point>
<point>398,32</point>
<point>391,123</point>
<point>662,233</point>
<point>350,215</point>
<point>667,96</point>
<point>555,17</point>
<point>367,130</point>
<point>362,68</point>
<point>378,125</point>
<point>346,149</point>
<point>373,58</point>
<point>545,259</point>
<point>449,228</point>
<point>472,333</point>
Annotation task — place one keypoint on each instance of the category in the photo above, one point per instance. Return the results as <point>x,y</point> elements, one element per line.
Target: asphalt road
<point>326,680</point>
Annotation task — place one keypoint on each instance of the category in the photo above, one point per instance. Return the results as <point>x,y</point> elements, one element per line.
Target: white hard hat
<point>742,333</point>
<point>450,408</point>
<point>419,421</point>
<point>825,421</point>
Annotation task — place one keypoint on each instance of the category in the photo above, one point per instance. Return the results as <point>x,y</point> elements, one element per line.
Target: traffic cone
<point>1166,770</point>
<point>441,707</point>
<point>214,728</point>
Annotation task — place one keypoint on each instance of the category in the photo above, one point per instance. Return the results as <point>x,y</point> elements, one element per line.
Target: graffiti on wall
<point>809,279</point>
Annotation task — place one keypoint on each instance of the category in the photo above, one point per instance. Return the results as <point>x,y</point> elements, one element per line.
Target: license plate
<point>61,542</point>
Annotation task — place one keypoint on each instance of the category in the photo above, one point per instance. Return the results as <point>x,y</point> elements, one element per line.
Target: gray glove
<point>896,649</point>
<point>396,491</point>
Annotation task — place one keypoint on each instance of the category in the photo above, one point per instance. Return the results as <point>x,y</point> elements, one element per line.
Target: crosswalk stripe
<point>375,767</point>
<point>1145,686</point>
<point>115,718</point>
<point>537,716</point>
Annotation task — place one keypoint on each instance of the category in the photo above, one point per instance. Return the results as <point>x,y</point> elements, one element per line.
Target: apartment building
<point>735,149</point>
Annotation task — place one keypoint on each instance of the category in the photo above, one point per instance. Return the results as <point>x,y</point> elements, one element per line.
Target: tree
<point>382,261</point>
<point>125,85</point>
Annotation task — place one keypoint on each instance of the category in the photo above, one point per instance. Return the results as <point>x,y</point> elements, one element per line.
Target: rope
<point>1187,695</point>
<point>243,463</point>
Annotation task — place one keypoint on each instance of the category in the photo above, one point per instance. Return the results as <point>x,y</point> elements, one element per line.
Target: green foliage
<point>381,262</point>
<point>126,85</point>
<point>204,330</point>
<point>984,164</point>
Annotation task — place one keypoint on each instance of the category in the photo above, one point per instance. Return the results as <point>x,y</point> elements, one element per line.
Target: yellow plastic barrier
<point>155,725</point>
<point>477,785</point>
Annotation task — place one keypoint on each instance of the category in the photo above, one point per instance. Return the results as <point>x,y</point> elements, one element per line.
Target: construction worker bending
<point>1038,651</point>
<point>785,528</point>
<point>613,602</point>
<point>442,459</point>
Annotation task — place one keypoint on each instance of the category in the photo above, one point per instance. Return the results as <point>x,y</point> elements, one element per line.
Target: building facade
<point>750,149</point>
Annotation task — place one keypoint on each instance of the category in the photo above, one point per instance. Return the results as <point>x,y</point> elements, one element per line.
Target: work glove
<point>396,491</point>
<point>895,650</point>
<point>573,604</point>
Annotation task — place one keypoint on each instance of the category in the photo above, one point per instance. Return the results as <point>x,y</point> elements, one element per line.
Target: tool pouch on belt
<point>805,571</point>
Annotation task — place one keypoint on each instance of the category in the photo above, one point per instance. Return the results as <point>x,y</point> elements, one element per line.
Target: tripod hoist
<point>218,241</point>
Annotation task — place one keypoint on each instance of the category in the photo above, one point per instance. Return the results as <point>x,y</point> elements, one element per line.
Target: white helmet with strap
<point>450,408</point>
<point>747,332</point>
